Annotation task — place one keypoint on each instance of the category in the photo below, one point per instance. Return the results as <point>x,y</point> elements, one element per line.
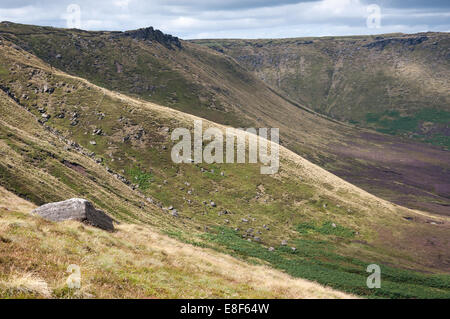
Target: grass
<point>301,193</point>
<point>141,178</point>
<point>23,285</point>
<point>315,260</point>
<point>327,228</point>
<point>133,262</point>
<point>392,122</point>
<point>3,71</point>
<point>342,78</point>
<point>199,81</point>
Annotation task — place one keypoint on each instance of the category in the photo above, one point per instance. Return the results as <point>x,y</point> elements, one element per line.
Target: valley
<point>194,79</point>
<point>69,131</point>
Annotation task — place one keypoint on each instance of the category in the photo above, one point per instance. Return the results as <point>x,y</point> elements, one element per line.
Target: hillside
<point>159,68</point>
<point>51,119</point>
<point>394,83</point>
<point>134,262</point>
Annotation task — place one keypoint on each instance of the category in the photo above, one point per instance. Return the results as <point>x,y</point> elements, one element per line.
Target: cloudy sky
<point>193,19</point>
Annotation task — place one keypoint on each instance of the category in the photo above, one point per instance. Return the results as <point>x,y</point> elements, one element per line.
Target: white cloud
<point>122,3</point>
<point>234,18</point>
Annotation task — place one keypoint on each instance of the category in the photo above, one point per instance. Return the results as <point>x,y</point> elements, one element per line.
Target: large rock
<point>75,209</point>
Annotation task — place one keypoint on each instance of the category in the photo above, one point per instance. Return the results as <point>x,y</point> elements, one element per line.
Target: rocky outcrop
<point>75,209</point>
<point>382,43</point>
<point>150,34</point>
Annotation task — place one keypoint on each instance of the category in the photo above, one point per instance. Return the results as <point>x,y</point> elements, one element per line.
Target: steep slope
<point>206,83</point>
<point>133,262</point>
<point>136,261</point>
<point>50,121</point>
<point>395,83</point>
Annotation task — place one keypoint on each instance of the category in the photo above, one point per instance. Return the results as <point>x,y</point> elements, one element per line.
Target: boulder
<point>75,209</point>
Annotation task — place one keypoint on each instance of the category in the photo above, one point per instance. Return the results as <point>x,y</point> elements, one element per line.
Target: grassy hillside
<point>50,121</point>
<point>209,84</point>
<point>397,84</point>
<point>206,83</point>
<point>134,262</point>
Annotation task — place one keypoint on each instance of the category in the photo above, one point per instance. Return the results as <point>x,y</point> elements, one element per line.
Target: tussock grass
<point>26,284</point>
<point>133,262</point>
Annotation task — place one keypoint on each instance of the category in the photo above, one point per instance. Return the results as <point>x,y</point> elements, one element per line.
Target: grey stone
<point>284,243</point>
<point>75,209</point>
<point>271,249</point>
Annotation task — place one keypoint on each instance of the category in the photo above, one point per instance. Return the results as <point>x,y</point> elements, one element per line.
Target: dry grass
<point>8,199</point>
<point>25,284</point>
<point>134,262</point>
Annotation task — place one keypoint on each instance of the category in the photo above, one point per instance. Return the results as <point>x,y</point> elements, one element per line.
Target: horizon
<point>255,19</point>
<point>251,39</point>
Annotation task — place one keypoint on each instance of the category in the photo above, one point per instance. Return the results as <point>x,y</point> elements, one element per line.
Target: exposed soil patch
<point>76,167</point>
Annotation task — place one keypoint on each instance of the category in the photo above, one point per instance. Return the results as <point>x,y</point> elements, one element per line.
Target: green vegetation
<point>197,80</point>
<point>328,222</point>
<point>3,71</point>
<point>327,228</point>
<point>392,122</point>
<point>141,178</point>
<point>318,261</point>
<point>352,79</point>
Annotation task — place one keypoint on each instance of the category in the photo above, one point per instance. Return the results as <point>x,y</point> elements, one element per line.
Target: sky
<point>196,19</point>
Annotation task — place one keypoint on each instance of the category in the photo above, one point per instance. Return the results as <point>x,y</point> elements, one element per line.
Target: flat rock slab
<point>75,209</point>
